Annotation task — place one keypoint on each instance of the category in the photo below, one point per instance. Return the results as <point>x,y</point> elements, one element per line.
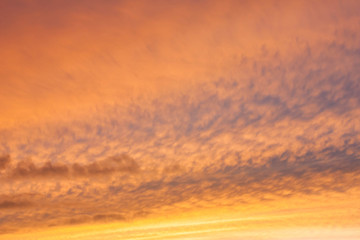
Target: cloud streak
<point>28,170</point>
<point>13,204</point>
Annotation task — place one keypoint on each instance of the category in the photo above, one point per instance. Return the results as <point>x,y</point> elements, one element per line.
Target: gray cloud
<point>108,217</point>
<point>8,204</point>
<point>4,161</point>
<point>116,164</point>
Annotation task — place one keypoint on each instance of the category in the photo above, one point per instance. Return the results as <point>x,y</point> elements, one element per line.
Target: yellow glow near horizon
<point>294,218</point>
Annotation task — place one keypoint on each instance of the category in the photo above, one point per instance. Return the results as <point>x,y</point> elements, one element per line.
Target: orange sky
<point>179,119</point>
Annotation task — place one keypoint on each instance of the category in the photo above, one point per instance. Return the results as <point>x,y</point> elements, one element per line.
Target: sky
<point>196,120</point>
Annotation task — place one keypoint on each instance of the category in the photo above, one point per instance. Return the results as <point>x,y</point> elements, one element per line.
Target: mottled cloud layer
<point>121,111</point>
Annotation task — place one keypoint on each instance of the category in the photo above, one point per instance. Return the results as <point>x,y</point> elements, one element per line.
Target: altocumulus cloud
<point>280,122</point>
<point>228,138</point>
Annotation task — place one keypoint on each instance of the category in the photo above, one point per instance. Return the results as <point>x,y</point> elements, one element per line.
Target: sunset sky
<point>169,119</point>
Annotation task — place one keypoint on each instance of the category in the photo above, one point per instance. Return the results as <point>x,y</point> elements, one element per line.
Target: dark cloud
<point>121,163</point>
<point>174,168</point>
<point>27,169</point>
<point>4,161</point>
<point>8,204</point>
<point>108,217</point>
<point>90,218</point>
